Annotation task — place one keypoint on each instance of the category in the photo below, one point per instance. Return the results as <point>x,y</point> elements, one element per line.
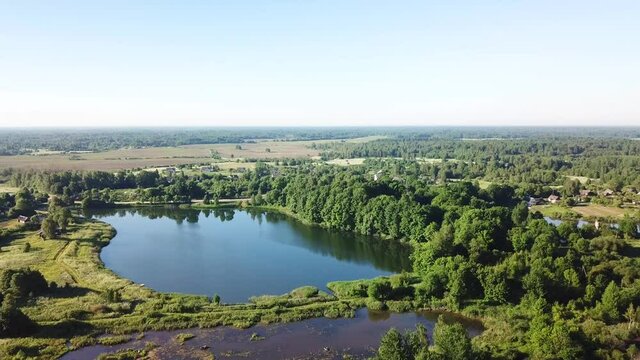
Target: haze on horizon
<point>292,63</point>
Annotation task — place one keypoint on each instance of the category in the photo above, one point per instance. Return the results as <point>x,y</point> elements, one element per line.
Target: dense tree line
<point>533,161</point>
<point>24,141</point>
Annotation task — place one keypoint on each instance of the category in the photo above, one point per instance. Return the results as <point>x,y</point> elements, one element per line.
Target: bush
<point>376,305</point>
<point>349,289</point>
<point>23,282</point>
<point>112,295</point>
<point>379,290</point>
<point>304,292</point>
<point>182,337</point>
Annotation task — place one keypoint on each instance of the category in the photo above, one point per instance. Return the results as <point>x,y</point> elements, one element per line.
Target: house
<point>585,193</point>
<point>23,219</point>
<point>553,198</point>
<point>607,192</point>
<point>377,175</point>
<point>170,171</point>
<point>206,169</point>
<point>534,201</point>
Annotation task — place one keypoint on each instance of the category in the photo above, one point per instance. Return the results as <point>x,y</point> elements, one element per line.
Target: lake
<point>238,253</point>
<point>308,339</point>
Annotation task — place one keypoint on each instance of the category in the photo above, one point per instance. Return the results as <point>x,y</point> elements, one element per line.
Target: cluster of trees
<point>563,281</point>
<point>24,202</point>
<point>450,342</point>
<point>69,184</point>
<point>15,287</point>
<point>57,219</point>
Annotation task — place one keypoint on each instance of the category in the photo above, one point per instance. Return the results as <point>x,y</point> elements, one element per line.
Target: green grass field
<point>555,211</point>
<point>601,211</point>
<point>6,188</point>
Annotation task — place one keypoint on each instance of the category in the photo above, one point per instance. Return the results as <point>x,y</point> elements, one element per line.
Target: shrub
<point>376,305</point>
<point>182,337</point>
<point>304,292</point>
<point>379,290</point>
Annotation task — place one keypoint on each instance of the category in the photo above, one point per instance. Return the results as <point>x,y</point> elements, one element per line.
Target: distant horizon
<point>384,126</point>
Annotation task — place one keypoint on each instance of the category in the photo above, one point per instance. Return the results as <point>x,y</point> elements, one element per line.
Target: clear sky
<point>306,62</point>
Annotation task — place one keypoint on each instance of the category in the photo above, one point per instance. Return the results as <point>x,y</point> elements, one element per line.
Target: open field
<point>591,210</point>
<point>164,156</point>
<point>5,188</point>
<point>582,179</point>
<point>595,210</point>
<point>484,184</point>
<point>360,161</point>
<point>555,211</point>
<point>347,162</point>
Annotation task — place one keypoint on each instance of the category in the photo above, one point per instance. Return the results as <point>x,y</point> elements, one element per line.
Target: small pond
<point>309,339</point>
<point>237,253</point>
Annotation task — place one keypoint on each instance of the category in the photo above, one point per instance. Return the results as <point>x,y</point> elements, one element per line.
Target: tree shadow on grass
<point>65,329</point>
<point>68,292</point>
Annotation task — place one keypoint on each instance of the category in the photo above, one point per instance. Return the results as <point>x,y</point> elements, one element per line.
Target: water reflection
<point>239,253</point>
<point>308,339</point>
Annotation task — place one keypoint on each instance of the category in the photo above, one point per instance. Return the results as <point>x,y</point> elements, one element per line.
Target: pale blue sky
<point>319,62</point>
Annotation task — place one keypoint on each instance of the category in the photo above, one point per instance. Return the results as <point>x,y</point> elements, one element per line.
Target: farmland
<point>595,210</point>
<point>163,156</point>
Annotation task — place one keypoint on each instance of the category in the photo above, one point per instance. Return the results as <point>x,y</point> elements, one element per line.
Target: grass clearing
<point>484,184</point>
<point>582,179</point>
<point>6,188</point>
<point>601,211</point>
<point>347,162</point>
<point>555,211</point>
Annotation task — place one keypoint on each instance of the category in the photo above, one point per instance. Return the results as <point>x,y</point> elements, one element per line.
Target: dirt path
<point>66,267</point>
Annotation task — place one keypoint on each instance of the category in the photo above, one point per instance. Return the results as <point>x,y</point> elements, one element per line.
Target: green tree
<point>393,346</point>
<point>49,228</point>
<point>609,306</point>
<point>379,290</point>
<point>552,340</point>
<point>451,341</point>
<point>25,204</point>
<point>519,214</point>
<point>629,226</point>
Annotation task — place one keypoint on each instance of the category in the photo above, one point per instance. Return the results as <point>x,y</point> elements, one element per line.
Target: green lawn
<point>555,211</point>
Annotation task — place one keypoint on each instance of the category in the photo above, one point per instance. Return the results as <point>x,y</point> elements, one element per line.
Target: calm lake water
<point>238,254</point>
<point>309,339</point>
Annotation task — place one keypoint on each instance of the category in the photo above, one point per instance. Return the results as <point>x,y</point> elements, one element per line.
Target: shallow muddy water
<point>309,339</point>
